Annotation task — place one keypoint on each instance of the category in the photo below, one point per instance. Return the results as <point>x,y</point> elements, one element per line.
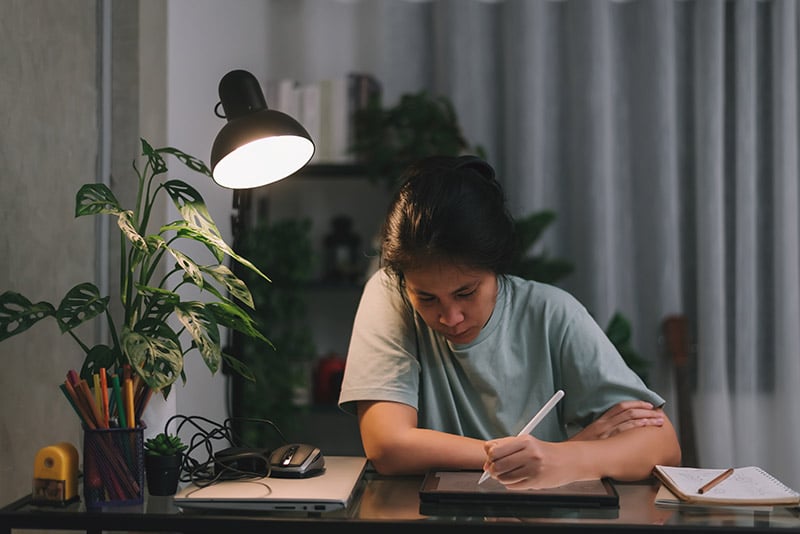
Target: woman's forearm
<point>629,455</point>
<point>416,450</point>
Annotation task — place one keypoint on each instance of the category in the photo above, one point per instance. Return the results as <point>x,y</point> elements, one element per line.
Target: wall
<point>48,147</point>
<point>69,119</point>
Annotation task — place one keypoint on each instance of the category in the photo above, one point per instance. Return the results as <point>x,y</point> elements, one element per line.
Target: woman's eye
<point>466,294</point>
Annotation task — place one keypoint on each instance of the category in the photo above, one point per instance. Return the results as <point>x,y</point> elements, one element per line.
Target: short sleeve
<point>381,363</point>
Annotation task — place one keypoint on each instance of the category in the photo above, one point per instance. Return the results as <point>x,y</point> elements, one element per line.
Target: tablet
<point>462,488</point>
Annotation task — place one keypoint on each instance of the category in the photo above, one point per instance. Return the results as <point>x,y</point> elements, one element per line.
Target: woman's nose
<point>450,315</point>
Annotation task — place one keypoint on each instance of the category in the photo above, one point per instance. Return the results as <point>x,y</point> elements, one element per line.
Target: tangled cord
<point>200,466</point>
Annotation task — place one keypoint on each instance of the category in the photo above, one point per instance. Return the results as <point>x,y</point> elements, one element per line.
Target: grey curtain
<point>663,133</point>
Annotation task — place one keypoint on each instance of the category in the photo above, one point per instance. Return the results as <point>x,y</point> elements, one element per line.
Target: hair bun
<point>477,164</point>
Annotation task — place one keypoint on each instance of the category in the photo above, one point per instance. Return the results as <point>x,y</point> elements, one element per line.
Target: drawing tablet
<point>454,488</point>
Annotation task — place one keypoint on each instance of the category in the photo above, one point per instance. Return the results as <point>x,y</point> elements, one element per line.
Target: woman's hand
<point>621,417</point>
<point>524,462</point>
<point>624,443</point>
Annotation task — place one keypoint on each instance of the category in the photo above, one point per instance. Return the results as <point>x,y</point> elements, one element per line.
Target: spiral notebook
<point>747,486</point>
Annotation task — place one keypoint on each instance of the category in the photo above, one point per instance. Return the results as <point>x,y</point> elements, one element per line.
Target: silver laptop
<point>331,490</point>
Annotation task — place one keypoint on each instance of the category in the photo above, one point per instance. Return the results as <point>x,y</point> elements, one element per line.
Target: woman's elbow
<point>387,459</point>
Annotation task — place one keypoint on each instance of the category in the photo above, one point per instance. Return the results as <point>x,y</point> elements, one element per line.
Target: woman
<point>449,353</point>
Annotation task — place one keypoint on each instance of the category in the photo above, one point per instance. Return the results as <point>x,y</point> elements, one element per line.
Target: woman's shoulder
<point>541,293</point>
<point>383,286</point>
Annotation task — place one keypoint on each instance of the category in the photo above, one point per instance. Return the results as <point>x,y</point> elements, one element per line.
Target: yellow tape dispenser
<point>55,474</point>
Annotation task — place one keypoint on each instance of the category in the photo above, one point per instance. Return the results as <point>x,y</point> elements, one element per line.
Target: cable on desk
<point>201,464</point>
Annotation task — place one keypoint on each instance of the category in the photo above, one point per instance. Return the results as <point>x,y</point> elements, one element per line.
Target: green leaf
<point>157,163</point>
<point>100,356</point>
<point>530,227</point>
<point>202,326</point>
<point>93,199</point>
<point>191,206</point>
<point>155,354</point>
<point>190,161</point>
<point>239,367</point>
<point>231,316</point>
<point>17,313</point>
<point>618,330</point>
<point>81,303</point>
<point>235,286</point>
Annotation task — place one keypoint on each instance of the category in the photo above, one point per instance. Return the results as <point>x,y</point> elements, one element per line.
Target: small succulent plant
<point>164,445</point>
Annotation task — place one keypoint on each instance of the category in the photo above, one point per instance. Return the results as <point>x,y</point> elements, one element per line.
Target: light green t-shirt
<point>538,340</point>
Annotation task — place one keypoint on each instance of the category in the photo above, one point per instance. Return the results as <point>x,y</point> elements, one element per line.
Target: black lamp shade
<point>258,145</point>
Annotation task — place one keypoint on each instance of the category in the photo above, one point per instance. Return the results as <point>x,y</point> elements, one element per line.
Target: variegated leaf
<point>191,206</point>
<point>202,326</point>
<point>189,266</point>
<point>235,286</point>
<point>157,359</point>
<point>125,223</point>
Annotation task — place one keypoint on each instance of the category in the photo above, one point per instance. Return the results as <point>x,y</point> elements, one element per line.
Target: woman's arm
<point>623,416</point>
<point>395,445</point>
<point>526,462</point>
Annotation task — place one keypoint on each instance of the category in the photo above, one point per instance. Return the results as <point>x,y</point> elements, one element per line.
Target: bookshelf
<point>319,193</point>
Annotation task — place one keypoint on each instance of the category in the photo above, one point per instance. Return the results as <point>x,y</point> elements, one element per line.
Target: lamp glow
<point>257,146</point>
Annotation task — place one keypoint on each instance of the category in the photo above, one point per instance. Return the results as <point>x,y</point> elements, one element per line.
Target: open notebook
<point>331,490</point>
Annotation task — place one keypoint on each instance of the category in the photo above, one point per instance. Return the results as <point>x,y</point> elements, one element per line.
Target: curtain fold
<point>664,134</point>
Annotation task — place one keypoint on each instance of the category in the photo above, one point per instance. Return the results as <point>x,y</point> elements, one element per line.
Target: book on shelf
<point>746,486</point>
<point>327,109</point>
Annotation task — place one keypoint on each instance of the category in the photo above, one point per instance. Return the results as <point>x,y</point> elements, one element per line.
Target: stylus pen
<point>533,422</point>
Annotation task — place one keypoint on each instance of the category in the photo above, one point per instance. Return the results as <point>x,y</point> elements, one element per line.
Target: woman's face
<point>453,300</point>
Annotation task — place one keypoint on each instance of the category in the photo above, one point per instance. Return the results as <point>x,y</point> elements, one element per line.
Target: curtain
<point>663,133</point>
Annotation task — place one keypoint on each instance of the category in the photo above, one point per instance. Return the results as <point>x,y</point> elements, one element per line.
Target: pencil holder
<point>113,466</point>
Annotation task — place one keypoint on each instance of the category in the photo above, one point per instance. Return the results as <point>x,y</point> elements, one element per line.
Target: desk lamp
<point>258,145</point>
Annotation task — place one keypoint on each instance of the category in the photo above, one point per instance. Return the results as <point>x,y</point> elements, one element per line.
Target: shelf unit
<point>319,193</point>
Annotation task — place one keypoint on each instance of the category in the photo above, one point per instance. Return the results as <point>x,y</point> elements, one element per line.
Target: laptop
<point>334,489</point>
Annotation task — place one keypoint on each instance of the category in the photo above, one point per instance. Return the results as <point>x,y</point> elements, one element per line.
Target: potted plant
<point>147,340</point>
<point>420,124</point>
<point>163,458</point>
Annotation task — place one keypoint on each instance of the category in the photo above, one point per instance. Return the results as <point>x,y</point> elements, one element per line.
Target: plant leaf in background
<point>619,332</point>
<point>281,366</point>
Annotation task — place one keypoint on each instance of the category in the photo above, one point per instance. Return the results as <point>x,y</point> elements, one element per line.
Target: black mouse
<point>296,460</point>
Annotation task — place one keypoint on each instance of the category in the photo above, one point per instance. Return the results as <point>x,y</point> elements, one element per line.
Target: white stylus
<point>533,422</point>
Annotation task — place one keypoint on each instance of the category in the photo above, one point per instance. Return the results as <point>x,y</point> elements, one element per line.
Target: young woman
<point>450,355</point>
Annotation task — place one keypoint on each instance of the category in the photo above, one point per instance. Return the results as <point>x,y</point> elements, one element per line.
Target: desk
<point>391,504</point>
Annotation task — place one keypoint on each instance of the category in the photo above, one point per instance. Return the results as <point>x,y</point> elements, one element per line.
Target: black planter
<point>163,473</point>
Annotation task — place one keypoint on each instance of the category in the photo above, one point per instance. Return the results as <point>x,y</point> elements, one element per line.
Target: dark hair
<point>448,208</point>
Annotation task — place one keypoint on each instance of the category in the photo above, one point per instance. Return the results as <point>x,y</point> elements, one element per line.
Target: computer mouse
<point>296,460</point>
